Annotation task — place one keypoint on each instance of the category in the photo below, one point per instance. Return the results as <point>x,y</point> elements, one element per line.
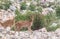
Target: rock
<point>1,36</point>
<point>47,11</point>
<point>22,34</point>
<point>37,34</point>
<point>6,15</point>
<point>12,0</point>
<point>50,1</point>
<point>28,3</point>
<point>57,31</point>
<point>1,29</point>
<point>7,36</point>
<point>12,33</point>
<point>53,37</point>
<point>8,29</point>
<point>13,8</point>
<point>43,30</point>
<point>12,37</point>
<point>53,25</point>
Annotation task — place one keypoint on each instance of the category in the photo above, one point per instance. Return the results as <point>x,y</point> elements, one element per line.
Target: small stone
<point>43,30</point>
<point>13,8</point>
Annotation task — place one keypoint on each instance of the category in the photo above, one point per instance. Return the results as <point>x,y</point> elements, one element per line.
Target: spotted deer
<point>7,23</point>
<point>7,19</point>
<point>27,23</point>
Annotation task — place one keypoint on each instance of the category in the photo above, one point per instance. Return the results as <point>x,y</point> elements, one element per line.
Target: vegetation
<point>23,6</point>
<point>5,4</point>
<point>40,20</point>
<point>25,16</point>
<point>58,11</point>
<point>32,7</point>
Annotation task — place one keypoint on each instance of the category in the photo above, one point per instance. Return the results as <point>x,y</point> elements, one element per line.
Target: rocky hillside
<point>37,34</point>
<point>46,23</point>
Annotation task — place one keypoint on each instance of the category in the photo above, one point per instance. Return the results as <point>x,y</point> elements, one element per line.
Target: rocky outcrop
<point>37,34</point>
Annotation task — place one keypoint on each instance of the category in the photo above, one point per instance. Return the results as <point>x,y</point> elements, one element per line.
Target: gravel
<point>37,34</point>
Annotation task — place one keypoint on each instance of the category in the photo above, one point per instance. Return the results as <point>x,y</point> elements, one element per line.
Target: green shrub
<point>51,28</point>
<point>1,7</point>
<point>18,15</point>
<point>23,6</point>
<point>6,5</point>
<point>39,9</point>
<point>58,11</point>
<point>38,22</point>
<point>29,13</point>
<point>22,17</point>
<point>32,7</point>
<point>51,18</point>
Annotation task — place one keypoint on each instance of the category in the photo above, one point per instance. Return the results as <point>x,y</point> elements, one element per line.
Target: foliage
<point>18,15</point>
<point>38,22</point>
<point>5,5</point>
<point>39,9</point>
<point>32,7</point>
<point>25,16</point>
<point>51,28</point>
<point>51,18</point>
<point>29,13</point>
<point>1,7</point>
<point>58,11</point>
<point>23,5</point>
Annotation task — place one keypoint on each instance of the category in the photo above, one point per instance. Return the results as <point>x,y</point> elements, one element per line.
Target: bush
<point>32,7</point>
<point>39,9</point>
<point>38,22</point>
<point>1,7</point>
<point>51,19</point>
<point>20,16</point>
<point>58,11</point>
<point>52,28</point>
<point>23,6</point>
<point>29,13</point>
<point>17,15</point>
<point>6,5</point>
